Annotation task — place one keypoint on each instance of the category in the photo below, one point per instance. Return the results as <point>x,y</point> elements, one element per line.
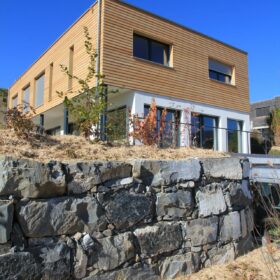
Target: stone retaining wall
<point>116,220</point>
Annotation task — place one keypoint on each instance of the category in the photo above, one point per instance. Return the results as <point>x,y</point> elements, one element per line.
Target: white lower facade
<point>135,101</point>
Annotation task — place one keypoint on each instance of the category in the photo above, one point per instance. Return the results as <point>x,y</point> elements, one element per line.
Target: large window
<point>26,97</point>
<point>151,50</point>
<point>234,136</point>
<point>264,111</point>
<point>204,131</point>
<point>40,86</point>
<point>15,101</point>
<point>171,133</point>
<point>220,72</point>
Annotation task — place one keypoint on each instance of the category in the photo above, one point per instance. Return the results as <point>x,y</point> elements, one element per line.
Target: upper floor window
<point>151,50</point>
<point>40,88</point>
<point>220,71</point>
<point>261,112</point>
<point>26,96</point>
<point>15,101</point>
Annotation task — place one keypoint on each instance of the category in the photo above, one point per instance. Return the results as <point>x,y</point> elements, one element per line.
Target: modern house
<point>260,112</point>
<point>200,80</point>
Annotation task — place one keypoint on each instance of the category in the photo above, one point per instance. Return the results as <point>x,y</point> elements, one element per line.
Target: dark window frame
<point>166,47</point>
<point>220,77</point>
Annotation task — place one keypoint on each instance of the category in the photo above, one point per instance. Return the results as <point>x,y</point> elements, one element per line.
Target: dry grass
<point>76,147</point>
<point>260,264</point>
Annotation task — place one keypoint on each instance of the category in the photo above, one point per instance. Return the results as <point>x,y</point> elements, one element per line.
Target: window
<point>117,124</point>
<point>170,136</point>
<point>70,68</point>
<point>26,96</point>
<point>15,101</point>
<point>261,112</point>
<point>50,81</point>
<point>234,136</point>
<point>204,131</point>
<point>39,87</point>
<point>151,50</point>
<point>220,72</point>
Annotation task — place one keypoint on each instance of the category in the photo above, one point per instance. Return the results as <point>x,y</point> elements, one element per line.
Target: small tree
<point>87,107</point>
<point>275,125</point>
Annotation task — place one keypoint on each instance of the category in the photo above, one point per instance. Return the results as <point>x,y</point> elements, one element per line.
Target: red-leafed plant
<point>149,130</point>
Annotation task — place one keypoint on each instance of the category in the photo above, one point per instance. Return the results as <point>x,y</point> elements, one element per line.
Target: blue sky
<point>27,28</point>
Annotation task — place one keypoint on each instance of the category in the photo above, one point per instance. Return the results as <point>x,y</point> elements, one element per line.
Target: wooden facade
<point>187,78</point>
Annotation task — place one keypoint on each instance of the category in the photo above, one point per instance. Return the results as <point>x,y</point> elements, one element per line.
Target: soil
<point>260,264</point>
<point>45,148</point>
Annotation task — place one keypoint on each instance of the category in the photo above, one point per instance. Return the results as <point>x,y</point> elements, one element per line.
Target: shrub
<point>19,119</point>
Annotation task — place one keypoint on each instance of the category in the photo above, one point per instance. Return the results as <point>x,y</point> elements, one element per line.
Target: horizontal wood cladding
<point>56,55</point>
<point>188,79</point>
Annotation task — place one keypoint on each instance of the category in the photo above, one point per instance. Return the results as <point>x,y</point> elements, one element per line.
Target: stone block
<point>175,205</point>
<point>163,173</point>
<point>6,220</point>
<point>230,227</point>
<point>111,252</point>
<point>19,266</point>
<point>224,168</point>
<point>178,265</point>
<point>238,195</point>
<point>31,179</point>
<point>82,176</point>
<point>201,231</point>
<point>211,200</point>
<point>59,216</point>
<point>137,272</point>
<point>221,255</point>
<point>125,209</point>
<point>158,239</point>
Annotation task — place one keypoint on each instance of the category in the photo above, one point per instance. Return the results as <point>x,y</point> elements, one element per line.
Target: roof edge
<point>123,2</point>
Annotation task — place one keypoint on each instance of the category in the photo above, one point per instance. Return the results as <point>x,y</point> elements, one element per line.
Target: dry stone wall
<point>118,220</point>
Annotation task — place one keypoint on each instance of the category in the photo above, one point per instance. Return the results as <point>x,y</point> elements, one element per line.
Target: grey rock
<point>58,216</point>
<point>6,220</point>
<point>201,231</point>
<point>221,255</point>
<point>239,195</point>
<point>175,205</point>
<point>107,232</point>
<point>87,243</point>
<point>5,248</point>
<point>158,239</point>
<point>42,242</point>
<point>111,252</point>
<point>17,237</point>
<point>80,266</point>
<point>250,219</point>
<point>187,185</point>
<point>55,261</point>
<point>137,272</point>
<point>178,265</point>
<point>211,200</point>
<point>19,266</point>
<point>82,176</point>
<point>228,168</point>
<point>230,227</point>
<point>246,168</point>
<point>243,222</point>
<point>244,245</point>
<point>27,178</point>
<point>119,182</point>
<point>124,209</point>
<point>159,173</point>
